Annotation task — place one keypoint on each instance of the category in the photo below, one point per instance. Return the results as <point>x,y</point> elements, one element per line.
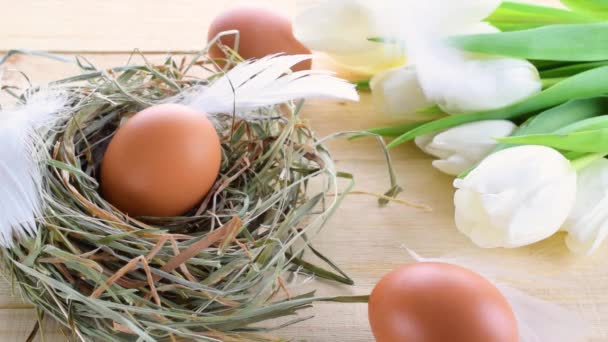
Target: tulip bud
<point>515,197</point>
<point>462,147</point>
<point>587,225</point>
<point>483,83</point>
<point>398,92</point>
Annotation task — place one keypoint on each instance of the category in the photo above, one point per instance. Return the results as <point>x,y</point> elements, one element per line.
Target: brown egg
<point>263,32</point>
<point>161,162</point>
<point>436,302</point>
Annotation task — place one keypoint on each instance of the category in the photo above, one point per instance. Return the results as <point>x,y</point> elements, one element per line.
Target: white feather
<point>22,154</point>
<point>266,82</point>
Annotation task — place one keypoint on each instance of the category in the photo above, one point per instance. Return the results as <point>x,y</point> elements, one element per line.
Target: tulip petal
<point>342,28</point>
<point>458,82</point>
<point>486,83</point>
<point>587,224</point>
<point>462,147</point>
<point>515,197</point>
<point>453,165</point>
<point>370,62</point>
<point>398,92</point>
<point>476,138</point>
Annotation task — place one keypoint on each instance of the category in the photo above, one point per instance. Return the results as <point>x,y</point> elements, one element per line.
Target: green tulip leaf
<point>590,124</point>
<point>549,65</point>
<point>578,42</point>
<point>592,141</point>
<point>560,117</point>
<point>397,130</point>
<point>569,113</point>
<point>431,110</point>
<point>592,83</point>
<point>556,118</point>
<point>571,70</point>
<point>597,8</point>
<point>515,15</point>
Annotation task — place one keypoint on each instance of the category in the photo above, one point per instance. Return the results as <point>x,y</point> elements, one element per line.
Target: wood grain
<point>117,25</point>
<point>365,240</point>
<point>113,25</point>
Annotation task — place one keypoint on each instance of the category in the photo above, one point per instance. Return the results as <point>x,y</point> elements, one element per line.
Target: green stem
<point>582,162</point>
<point>391,131</point>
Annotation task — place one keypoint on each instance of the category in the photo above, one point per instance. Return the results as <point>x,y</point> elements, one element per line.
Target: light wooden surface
<point>365,240</point>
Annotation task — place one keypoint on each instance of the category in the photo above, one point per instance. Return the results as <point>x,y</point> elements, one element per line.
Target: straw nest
<point>210,275</point>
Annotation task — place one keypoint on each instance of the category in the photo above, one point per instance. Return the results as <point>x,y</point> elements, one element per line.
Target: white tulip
<point>457,81</point>
<point>587,225</point>
<point>515,197</point>
<point>462,147</point>
<point>341,28</point>
<point>484,83</point>
<point>398,92</point>
<point>478,83</point>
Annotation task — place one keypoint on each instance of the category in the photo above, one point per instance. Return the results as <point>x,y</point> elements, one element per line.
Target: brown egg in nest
<point>263,32</point>
<point>161,162</point>
<point>437,302</point>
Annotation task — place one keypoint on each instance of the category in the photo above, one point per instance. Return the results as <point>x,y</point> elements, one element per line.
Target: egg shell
<point>161,162</point>
<point>263,32</point>
<point>437,302</point>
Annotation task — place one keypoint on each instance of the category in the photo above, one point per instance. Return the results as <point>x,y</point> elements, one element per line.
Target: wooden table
<point>365,240</point>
